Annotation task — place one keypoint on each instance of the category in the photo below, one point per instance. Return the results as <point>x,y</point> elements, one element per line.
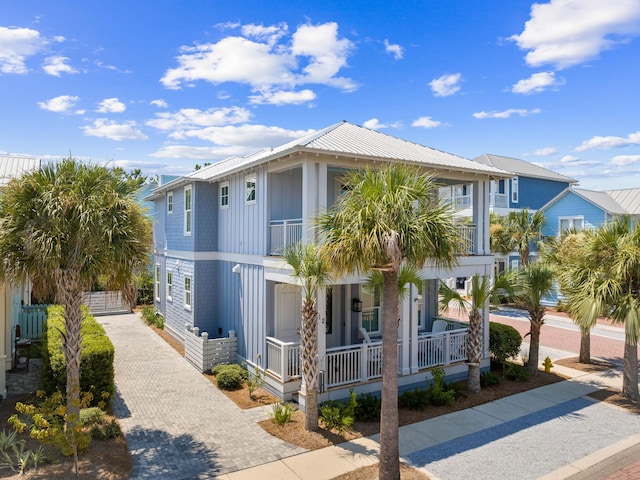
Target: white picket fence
<point>105,303</point>
<point>204,353</point>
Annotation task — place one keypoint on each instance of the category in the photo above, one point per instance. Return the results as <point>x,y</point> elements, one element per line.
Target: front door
<point>333,318</point>
<point>287,312</point>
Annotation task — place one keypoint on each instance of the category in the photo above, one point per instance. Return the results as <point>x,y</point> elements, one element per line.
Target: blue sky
<point>163,85</point>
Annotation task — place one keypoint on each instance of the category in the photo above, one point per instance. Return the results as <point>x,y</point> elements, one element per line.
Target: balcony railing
<point>442,348</point>
<point>499,200</point>
<point>284,233</point>
<point>283,359</point>
<point>467,234</point>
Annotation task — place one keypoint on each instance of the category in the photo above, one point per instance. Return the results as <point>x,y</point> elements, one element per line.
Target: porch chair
<point>439,326</point>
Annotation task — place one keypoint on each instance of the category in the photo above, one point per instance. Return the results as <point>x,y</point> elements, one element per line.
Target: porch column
<point>481,216</point>
<point>404,333</point>
<point>413,330</point>
<point>309,199</point>
<point>485,326</point>
<point>321,303</point>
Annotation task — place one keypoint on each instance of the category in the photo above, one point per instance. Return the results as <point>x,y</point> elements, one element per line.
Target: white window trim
<point>169,281</point>
<point>253,177</point>
<point>515,195</point>
<point>222,186</point>
<point>572,220</point>
<point>169,203</point>
<point>188,305</point>
<point>157,280</point>
<point>189,212</point>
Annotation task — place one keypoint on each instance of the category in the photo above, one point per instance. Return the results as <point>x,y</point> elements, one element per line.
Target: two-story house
<point>217,237</point>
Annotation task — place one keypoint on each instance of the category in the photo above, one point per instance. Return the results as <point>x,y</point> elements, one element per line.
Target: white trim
<point>169,283</point>
<point>188,211</point>
<point>220,203</point>
<point>170,202</point>
<point>515,195</point>
<point>188,305</point>
<point>248,198</point>
<point>571,219</point>
<point>156,281</point>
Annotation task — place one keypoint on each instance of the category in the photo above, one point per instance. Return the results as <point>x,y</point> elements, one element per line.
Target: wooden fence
<point>105,303</point>
<point>31,320</point>
<point>204,353</point>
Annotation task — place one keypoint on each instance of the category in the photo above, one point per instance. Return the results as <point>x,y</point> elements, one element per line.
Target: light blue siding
<point>176,239</point>
<point>176,315</point>
<point>205,217</point>
<point>285,194</point>
<point>571,205</point>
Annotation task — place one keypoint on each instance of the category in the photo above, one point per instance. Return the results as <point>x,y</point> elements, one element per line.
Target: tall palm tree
<point>386,218</point>
<point>62,226</point>
<point>610,286</point>
<point>481,292</point>
<point>522,228</point>
<point>311,269</point>
<point>534,282</point>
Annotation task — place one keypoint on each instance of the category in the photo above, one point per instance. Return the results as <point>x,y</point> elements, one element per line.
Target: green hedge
<point>504,341</point>
<point>96,358</point>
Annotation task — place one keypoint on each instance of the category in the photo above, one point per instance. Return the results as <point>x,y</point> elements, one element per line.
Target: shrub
<point>255,381</point>
<point>368,407</point>
<point>518,373</point>
<point>504,341</point>
<point>337,415</point>
<point>152,317</point>
<point>416,399</point>
<point>229,376</point>
<point>13,454</point>
<point>488,379</point>
<point>281,413</point>
<point>439,393</point>
<point>106,431</point>
<point>91,416</point>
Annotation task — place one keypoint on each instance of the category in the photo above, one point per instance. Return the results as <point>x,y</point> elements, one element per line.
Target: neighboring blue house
<point>217,237</point>
<point>588,209</point>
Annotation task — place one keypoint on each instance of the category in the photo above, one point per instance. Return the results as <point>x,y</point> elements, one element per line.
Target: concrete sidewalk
<point>552,432</point>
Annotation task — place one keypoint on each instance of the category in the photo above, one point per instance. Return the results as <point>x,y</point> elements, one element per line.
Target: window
<point>250,196</point>
<point>169,286</point>
<point>514,190</point>
<point>419,304</point>
<point>224,195</point>
<point>170,202</point>
<point>157,283</point>
<point>187,210</point>
<point>567,223</point>
<point>371,314</point>
<point>187,293</point>
<point>501,187</point>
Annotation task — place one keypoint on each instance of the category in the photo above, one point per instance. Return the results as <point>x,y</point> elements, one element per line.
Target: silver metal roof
<point>602,200</point>
<point>12,166</point>
<point>628,198</point>
<point>521,167</point>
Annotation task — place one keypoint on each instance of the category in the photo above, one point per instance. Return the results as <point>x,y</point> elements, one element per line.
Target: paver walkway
<point>177,424</point>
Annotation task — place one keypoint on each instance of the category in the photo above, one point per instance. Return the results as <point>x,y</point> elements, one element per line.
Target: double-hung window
<point>170,286</point>
<point>568,223</point>
<point>188,205</point>
<point>224,195</point>
<point>187,293</point>
<point>250,185</point>
<point>170,202</point>
<point>514,190</point>
<point>157,283</point>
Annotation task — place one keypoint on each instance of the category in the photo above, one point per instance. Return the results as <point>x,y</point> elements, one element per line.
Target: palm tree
<point>481,293</point>
<point>534,282</point>
<point>311,269</point>
<point>62,226</point>
<point>522,228</point>
<point>386,218</point>
<point>609,285</point>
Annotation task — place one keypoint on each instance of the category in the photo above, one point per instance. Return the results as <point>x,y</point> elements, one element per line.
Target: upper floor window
<point>157,283</point>
<point>514,190</point>
<point>170,286</point>
<point>187,293</point>
<point>187,210</point>
<point>250,182</point>
<point>224,195</point>
<point>568,223</point>
<point>170,202</point>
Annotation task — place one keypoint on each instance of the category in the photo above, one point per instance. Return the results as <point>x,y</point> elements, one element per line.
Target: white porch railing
<point>442,348</point>
<point>283,359</point>
<point>499,200</point>
<point>284,233</point>
<point>467,234</point>
<point>460,202</point>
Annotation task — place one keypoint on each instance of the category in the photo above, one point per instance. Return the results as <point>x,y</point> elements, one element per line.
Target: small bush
<point>281,413</point>
<point>15,456</point>
<point>504,341</point>
<point>518,373</point>
<point>255,381</point>
<point>152,317</point>
<point>488,379</point>
<point>414,399</point>
<point>91,416</point>
<point>106,431</point>
<point>368,407</point>
<point>229,376</point>
<point>337,415</point>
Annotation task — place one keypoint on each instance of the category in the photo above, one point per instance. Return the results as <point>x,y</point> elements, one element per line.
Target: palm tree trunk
<point>534,348</point>
<point>585,345</point>
<point>309,357</point>
<point>389,446</point>
<point>630,371</point>
<point>474,351</point>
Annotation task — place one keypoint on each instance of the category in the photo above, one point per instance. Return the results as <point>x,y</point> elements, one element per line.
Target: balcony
<point>283,234</point>
<point>467,233</point>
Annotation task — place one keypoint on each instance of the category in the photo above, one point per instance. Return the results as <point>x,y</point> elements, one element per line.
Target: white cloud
<point>625,160</point>
<point>105,128</point>
<point>265,61</point>
<point>57,65</point>
<point>522,112</point>
<point>16,45</point>
<point>374,124</point>
<point>536,83</point>
<point>282,97</point>
<point>193,118</point>
<point>426,122</point>
<point>198,153</point>
<point>111,105</point>
<point>160,103</point>
<point>568,32</point>
<point>545,152</point>
<point>61,104</point>
<point>446,85</point>
<point>394,49</point>
<point>569,159</point>
<point>609,142</point>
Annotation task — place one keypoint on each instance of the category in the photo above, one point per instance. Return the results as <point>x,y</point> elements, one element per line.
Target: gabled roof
<point>347,140</point>
<point>628,198</point>
<point>602,200</point>
<point>522,168</point>
<point>12,166</point>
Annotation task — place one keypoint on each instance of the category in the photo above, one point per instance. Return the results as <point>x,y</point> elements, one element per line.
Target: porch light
<point>356,305</point>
